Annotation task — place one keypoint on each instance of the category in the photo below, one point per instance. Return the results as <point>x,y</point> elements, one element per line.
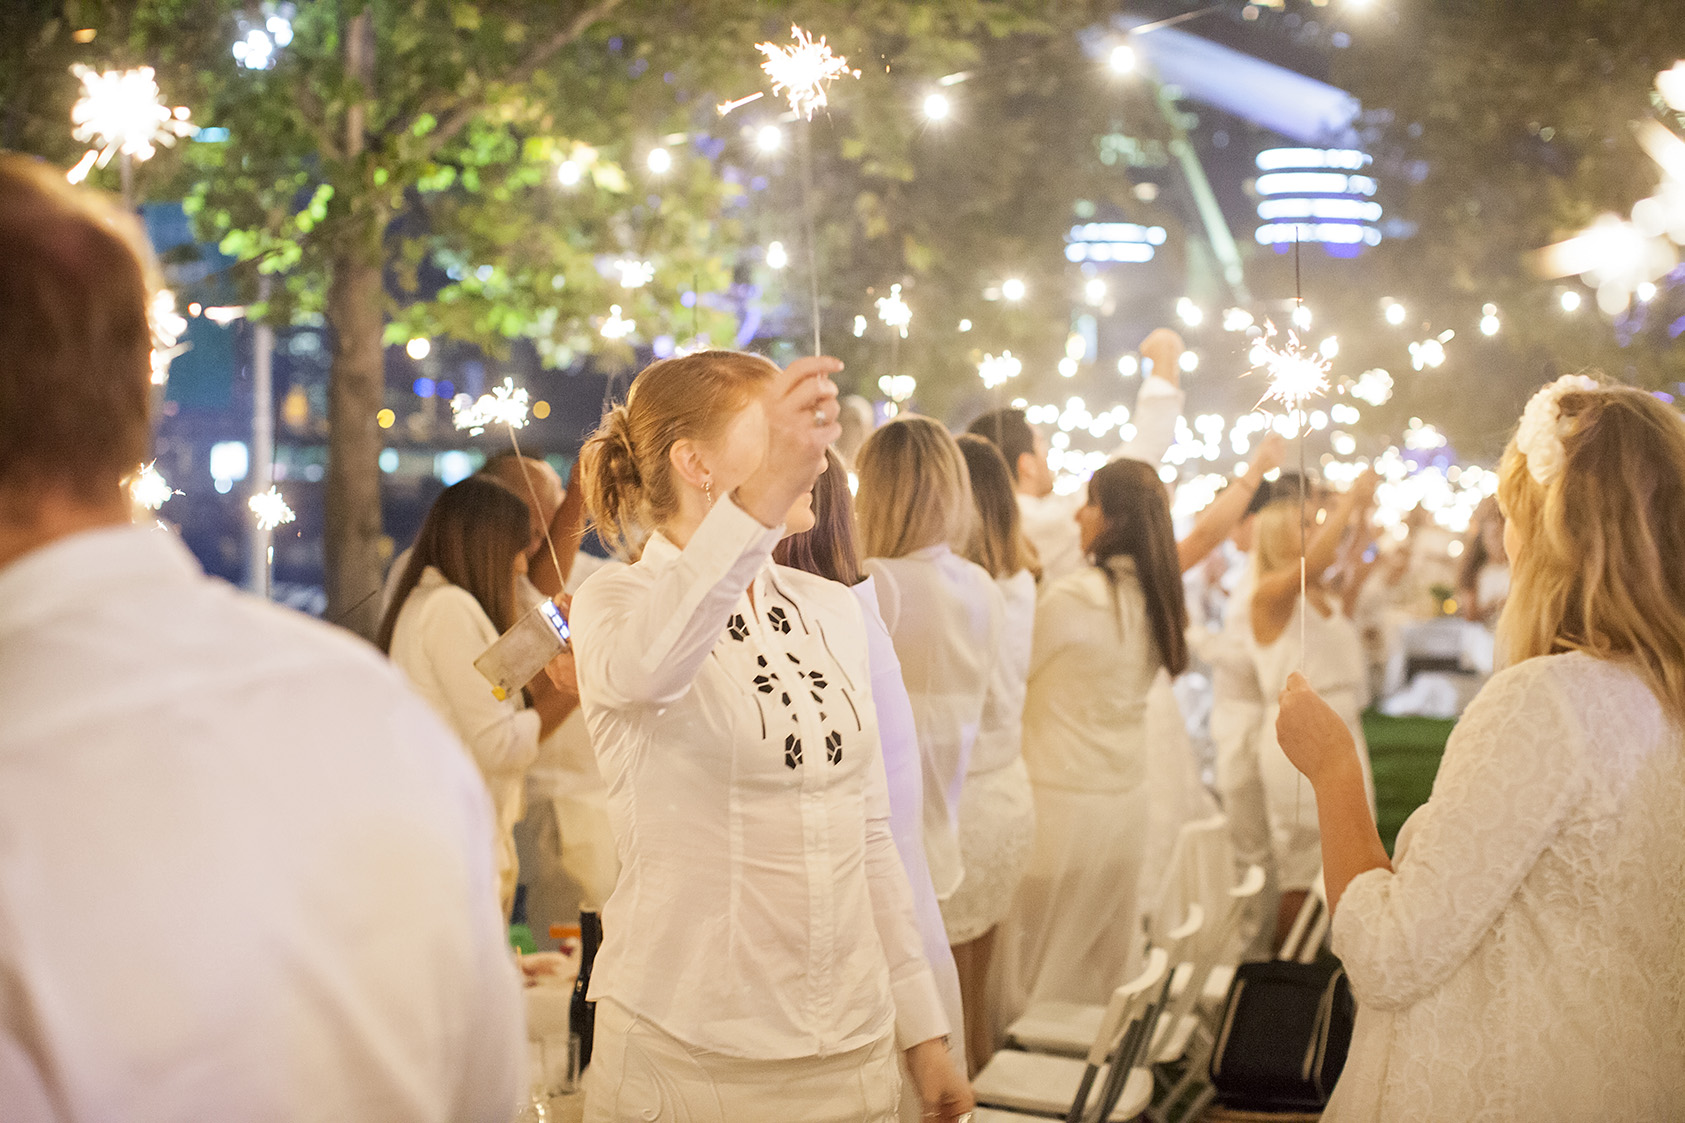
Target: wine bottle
<point>582,1014</point>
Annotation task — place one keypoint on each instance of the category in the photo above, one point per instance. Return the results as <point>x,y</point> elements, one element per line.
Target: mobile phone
<point>519,655</point>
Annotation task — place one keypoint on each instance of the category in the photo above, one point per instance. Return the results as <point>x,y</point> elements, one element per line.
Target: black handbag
<point>1284,1034</point>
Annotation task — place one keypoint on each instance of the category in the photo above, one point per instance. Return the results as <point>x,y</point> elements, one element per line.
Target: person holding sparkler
<point>760,957</point>
<point>1312,635</point>
<point>295,852</point>
<point>1520,957</point>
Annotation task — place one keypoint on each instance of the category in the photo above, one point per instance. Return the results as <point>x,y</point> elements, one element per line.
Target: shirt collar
<point>43,582</point>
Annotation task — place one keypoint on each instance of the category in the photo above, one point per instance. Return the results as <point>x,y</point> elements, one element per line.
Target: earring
<point>708,490</point>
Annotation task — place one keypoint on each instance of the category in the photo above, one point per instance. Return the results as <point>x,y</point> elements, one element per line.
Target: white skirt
<point>641,1074</point>
<point>1074,930</point>
<point>997,816</point>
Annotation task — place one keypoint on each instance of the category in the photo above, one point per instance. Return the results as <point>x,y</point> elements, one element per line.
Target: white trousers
<point>640,1073</point>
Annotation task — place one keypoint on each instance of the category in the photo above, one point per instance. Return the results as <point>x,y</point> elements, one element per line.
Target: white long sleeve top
<point>1000,739</point>
<point>1092,664</point>
<point>905,774</point>
<point>762,910</point>
<point>1525,957</point>
<point>440,631</point>
<point>288,855</point>
<point>945,615</point>
<point>1049,520</point>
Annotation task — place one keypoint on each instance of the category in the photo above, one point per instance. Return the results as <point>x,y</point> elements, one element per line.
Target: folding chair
<point>1200,871</point>
<point>1016,1085</point>
<point>1182,1031</point>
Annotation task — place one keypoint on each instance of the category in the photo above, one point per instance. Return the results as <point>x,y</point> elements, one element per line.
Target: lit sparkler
<point>799,73</point>
<point>120,113</point>
<point>894,311</point>
<point>995,370</point>
<point>1295,374</point>
<point>505,405</point>
<point>149,488</point>
<point>168,326</point>
<point>270,509</point>
<point>617,326</point>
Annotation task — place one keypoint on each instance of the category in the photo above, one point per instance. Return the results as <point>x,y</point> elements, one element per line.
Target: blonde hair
<point>1601,568</point>
<point>76,279</point>
<point>1276,536</point>
<point>914,489</point>
<point>624,465</point>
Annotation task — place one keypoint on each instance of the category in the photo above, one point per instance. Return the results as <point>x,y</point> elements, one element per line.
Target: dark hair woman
<point>456,596</point>
<point>1101,637</point>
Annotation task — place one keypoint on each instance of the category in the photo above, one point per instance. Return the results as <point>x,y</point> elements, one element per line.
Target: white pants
<point>640,1073</point>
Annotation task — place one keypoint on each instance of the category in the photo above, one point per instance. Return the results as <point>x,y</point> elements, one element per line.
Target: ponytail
<point>613,488</point>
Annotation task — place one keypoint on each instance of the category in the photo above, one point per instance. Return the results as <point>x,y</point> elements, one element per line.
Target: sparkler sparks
<point>270,509</point>
<point>168,326</point>
<point>1295,374</point>
<point>894,311</point>
<point>800,73</point>
<point>120,113</point>
<point>996,369</point>
<point>149,488</point>
<point>505,405</point>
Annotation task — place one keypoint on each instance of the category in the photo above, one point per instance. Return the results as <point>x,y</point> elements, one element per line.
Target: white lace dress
<point>1526,959</point>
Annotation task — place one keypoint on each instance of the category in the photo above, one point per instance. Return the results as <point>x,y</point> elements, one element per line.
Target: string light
<point>1013,289</point>
<point>419,348</point>
<point>634,274</point>
<point>121,112</point>
<point>937,107</point>
<point>270,509</point>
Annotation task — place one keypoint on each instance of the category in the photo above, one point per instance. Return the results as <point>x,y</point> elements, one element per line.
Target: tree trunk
<point>356,312</point>
<point>355,389</point>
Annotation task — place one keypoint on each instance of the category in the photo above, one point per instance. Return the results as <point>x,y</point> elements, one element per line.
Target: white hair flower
<point>1539,437</point>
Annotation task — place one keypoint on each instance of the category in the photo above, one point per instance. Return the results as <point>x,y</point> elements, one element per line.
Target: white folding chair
<point>1068,1028</point>
<point>1019,1085</point>
<point>1200,871</point>
<point>1182,1031</point>
<point>1310,926</point>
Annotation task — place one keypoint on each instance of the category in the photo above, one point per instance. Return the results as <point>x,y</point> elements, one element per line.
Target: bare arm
<point>1277,593</point>
<point>1218,520</point>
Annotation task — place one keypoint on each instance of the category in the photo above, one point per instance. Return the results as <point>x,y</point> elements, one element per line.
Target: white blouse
<point>945,615</point>
<point>439,633</point>
<point>1525,958</point>
<point>1092,663</point>
<point>762,910</point>
<point>1000,740</point>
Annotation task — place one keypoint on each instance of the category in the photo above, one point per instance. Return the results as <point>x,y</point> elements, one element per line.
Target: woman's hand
<point>1312,735</point>
<point>801,421</point>
<point>1164,348</point>
<point>945,1094</point>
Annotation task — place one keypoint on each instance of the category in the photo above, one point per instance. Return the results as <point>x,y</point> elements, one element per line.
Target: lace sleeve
<point>1511,774</point>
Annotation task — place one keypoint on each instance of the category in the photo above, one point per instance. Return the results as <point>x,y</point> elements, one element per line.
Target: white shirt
<point>440,631</point>
<point>904,772</point>
<point>1525,958</point>
<point>1001,737</point>
<point>945,615</point>
<point>1050,520</point>
<point>1091,665</point>
<point>762,910</point>
<point>245,874</point>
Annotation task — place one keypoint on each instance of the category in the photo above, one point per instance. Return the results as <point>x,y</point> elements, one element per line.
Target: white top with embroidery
<point>1526,959</point>
<point>762,910</point>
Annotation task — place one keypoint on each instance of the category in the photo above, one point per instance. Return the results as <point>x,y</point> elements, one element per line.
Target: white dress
<point>1525,960</point>
<point>1335,665</point>
<point>1073,931</point>
<point>944,614</point>
<point>440,631</point>
<point>997,810</point>
<point>762,913</point>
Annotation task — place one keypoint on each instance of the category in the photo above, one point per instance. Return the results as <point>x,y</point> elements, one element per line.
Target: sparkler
<point>167,325</point>
<point>800,73</point>
<point>1294,374</point>
<point>506,405</point>
<point>149,488</point>
<point>270,509</point>
<point>894,311</point>
<point>994,370</point>
<point>120,113</point>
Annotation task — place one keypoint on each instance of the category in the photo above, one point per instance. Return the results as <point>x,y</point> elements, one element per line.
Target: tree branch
<point>459,117</point>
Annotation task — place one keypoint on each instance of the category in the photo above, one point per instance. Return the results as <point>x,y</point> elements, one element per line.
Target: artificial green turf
<point>1404,752</point>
